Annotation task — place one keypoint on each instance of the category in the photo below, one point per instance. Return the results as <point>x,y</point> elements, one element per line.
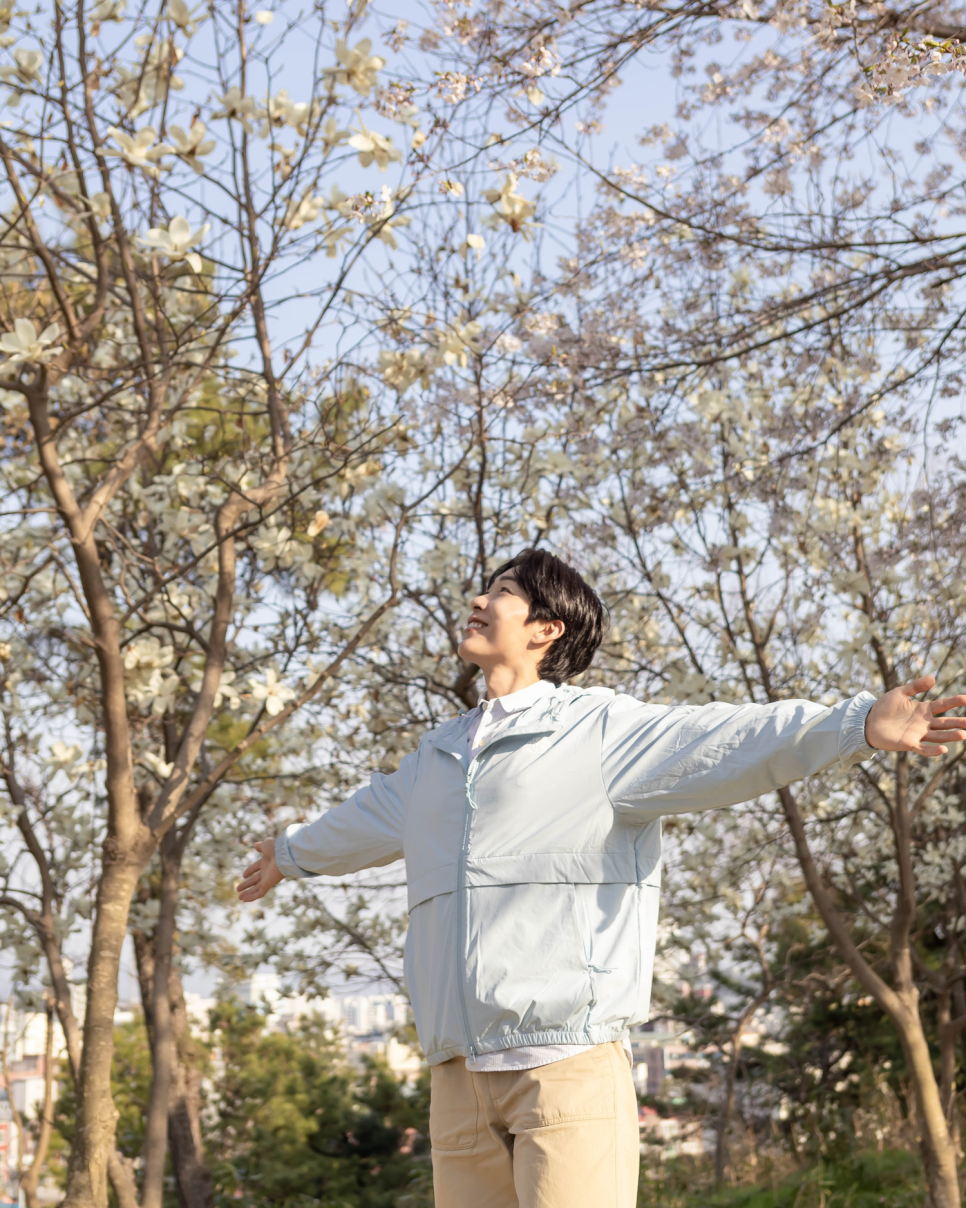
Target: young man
<point>531,831</point>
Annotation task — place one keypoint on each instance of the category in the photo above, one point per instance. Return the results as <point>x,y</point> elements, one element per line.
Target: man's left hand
<point>896,722</point>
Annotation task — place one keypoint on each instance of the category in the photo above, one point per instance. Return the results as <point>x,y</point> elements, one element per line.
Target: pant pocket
<point>453,1107</point>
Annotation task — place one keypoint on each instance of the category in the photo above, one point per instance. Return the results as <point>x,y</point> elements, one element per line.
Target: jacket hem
<point>519,1040</point>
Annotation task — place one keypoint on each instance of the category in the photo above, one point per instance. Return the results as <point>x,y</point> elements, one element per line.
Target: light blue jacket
<point>534,869</point>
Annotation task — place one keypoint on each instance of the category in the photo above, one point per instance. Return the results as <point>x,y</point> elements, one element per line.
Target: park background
<point>311,315</point>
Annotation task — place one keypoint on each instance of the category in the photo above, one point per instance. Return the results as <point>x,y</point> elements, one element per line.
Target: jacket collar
<point>544,716</point>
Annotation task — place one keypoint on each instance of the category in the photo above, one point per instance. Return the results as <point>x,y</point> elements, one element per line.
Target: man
<point>531,831</point>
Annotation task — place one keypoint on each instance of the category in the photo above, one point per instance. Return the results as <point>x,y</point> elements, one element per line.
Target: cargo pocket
<point>453,1107</point>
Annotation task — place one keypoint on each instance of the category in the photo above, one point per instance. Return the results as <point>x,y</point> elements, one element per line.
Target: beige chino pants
<point>563,1135</point>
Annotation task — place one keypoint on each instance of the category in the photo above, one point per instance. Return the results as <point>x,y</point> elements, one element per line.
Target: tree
<point>184,483</point>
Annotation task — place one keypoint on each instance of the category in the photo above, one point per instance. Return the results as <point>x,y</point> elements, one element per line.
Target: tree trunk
<point>901,1004</point>
<point>938,1149</point>
<point>947,1068</point>
<point>93,1143</point>
<point>163,1051</point>
<point>31,1180</point>
<point>192,1177</point>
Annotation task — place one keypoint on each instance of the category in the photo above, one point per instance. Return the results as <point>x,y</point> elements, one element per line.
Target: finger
<point>944,733</point>
<point>252,869</point>
<point>251,895</point>
<point>947,703</point>
<point>260,846</point>
<point>931,752</point>
<point>922,684</point>
<point>247,883</point>
<point>946,727</point>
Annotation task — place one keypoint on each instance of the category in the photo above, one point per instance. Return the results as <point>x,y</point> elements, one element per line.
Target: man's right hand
<point>261,876</point>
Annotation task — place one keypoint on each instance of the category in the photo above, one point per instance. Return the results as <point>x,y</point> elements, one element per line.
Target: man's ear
<point>549,632</point>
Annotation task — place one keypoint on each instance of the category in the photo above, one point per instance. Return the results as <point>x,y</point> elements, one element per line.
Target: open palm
<point>897,722</point>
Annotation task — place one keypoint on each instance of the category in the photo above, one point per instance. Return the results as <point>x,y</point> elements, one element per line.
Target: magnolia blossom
<point>225,692</point>
<point>384,222</point>
<point>264,17</point>
<point>145,681</point>
<point>141,151</point>
<point>457,342</point>
<point>234,104</point>
<point>25,70</point>
<point>302,210</point>
<point>186,20</point>
<point>272,693</point>
<point>331,136</point>
<point>23,344</point>
<point>107,10</point>
<point>157,765</point>
<point>357,67</point>
<point>318,523</point>
<point>372,146</point>
<point>63,757</point>
<point>176,240</point>
<point>401,369</point>
<point>511,207</point>
<point>472,243</point>
<point>189,146</point>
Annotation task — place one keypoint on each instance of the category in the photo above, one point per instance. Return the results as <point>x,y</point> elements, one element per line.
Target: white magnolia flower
<point>385,221</point>
<point>63,757</point>
<point>186,20</point>
<point>511,207</point>
<point>176,240</point>
<point>141,151</point>
<point>100,205</point>
<point>357,67</point>
<point>107,10</point>
<point>318,523</point>
<point>334,236</point>
<point>400,369</point>
<point>24,70</point>
<point>302,210</point>
<point>234,104</point>
<point>332,136</point>
<point>157,765</point>
<point>457,342</point>
<point>272,693</point>
<point>189,146</point>
<point>264,17</point>
<point>372,146</point>
<point>226,691</point>
<point>472,243</point>
<point>145,681</point>
<point>23,344</point>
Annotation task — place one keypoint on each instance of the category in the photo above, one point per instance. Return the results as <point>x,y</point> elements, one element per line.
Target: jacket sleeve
<point>658,760</point>
<point>365,831</point>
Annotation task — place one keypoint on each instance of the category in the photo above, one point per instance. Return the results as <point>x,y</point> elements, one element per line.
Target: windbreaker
<point>534,868</point>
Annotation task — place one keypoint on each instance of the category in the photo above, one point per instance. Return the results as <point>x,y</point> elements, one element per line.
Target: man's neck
<point>502,681</point>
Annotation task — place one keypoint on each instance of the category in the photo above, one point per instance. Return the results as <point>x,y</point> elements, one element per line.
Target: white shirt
<point>492,718</point>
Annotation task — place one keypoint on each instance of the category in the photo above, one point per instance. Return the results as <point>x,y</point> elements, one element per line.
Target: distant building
<point>367,1022</point>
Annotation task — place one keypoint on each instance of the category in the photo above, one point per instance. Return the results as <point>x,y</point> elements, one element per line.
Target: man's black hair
<point>558,593</point>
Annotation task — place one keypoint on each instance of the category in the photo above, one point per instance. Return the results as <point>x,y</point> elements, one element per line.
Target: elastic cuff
<point>853,747</point>
<point>283,856</point>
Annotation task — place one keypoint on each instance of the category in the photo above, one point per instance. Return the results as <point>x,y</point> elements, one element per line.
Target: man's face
<point>497,629</point>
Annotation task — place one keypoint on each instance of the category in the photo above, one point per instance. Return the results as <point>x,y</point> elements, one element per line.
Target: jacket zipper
<point>462,936</point>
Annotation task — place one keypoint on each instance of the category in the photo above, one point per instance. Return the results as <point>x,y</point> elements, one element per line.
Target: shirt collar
<point>516,702</point>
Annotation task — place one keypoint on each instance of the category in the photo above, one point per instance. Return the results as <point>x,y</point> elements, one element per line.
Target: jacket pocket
<point>526,965</point>
<point>453,1107</point>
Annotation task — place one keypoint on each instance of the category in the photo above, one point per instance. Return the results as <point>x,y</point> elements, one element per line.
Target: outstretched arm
<point>676,760</point>
<point>896,722</point>
<point>363,832</point>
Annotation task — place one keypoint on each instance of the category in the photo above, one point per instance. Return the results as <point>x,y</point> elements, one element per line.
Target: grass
<point>891,1179</point>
